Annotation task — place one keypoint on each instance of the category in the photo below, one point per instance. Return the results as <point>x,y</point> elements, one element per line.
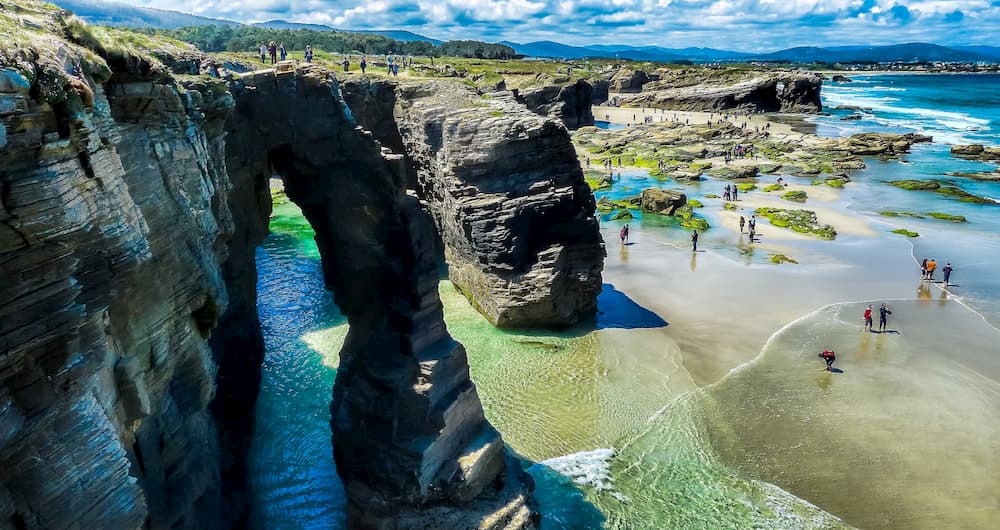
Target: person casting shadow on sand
<point>829,357</point>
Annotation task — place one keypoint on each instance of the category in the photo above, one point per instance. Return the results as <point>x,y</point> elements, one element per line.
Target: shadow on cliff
<point>615,310</point>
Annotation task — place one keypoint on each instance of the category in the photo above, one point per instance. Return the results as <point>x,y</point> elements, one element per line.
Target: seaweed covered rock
<point>802,221</point>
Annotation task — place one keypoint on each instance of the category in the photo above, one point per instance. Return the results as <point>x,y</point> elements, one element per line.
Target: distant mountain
<point>993,52</point>
<point>914,52</point>
<point>118,14</point>
<point>400,35</point>
<point>556,50</point>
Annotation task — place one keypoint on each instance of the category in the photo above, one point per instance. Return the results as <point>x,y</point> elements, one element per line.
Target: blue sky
<point>730,24</point>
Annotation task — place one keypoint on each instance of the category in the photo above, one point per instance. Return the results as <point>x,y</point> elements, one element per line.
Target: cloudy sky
<point>730,24</point>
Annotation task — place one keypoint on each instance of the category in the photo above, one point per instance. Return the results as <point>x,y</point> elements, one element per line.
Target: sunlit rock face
<point>754,91</point>
<point>507,193</point>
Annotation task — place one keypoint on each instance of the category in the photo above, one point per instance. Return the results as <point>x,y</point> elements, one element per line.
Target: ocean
<point>697,401</point>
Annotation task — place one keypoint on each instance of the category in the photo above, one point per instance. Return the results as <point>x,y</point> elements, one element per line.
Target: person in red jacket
<point>829,356</point>
<point>868,318</point>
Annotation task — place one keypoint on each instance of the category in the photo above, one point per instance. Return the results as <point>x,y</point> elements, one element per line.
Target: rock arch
<point>410,439</point>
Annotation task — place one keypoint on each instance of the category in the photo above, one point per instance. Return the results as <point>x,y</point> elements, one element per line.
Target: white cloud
<point>732,24</point>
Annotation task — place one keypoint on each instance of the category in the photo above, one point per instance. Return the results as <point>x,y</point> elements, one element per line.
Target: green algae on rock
<point>901,214</point>
<point>598,181</point>
<point>947,217</point>
<point>695,203</point>
<point>773,187</point>
<point>778,259</point>
<point>922,185</point>
<point>795,196</point>
<point>802,221</point>
<point>905,232</point>
<point>746,186</point>
<point>622,214</point>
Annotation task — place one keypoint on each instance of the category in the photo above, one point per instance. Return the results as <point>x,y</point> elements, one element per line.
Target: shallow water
<point>641,420</point>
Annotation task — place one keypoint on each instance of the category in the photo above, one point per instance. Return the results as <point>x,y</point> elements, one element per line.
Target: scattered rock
<point>976,152</point>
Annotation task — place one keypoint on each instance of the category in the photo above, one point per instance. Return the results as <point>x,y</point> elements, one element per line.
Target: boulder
<point>976,152</point>
<point>662,201</point>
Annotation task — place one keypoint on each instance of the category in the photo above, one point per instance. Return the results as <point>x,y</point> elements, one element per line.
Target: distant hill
<point>118,14</point>
<point>400,35</point>
<point>913,52</point>
<point>993,52</point>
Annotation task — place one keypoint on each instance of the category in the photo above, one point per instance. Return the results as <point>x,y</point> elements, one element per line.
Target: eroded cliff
<point>132,200</point>
<point>728,89</point>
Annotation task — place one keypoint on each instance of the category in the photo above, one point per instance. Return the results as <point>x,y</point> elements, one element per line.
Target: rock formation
<point>569,103</point>
<point>976,152</point>
<point>129,343</point>
<point>662,201</point>
<point>629,81</point>
<point>741,90</point>
<point>512,206</point>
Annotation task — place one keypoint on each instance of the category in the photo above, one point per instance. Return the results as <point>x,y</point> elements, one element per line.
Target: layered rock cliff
<point>130,351</point>
<point>755,91</point>
<point>506,191</point>
<point>569,103</point>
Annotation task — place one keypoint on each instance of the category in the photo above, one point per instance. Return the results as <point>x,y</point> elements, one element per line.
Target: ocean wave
<point>588,468</point>
<point>889,88</point>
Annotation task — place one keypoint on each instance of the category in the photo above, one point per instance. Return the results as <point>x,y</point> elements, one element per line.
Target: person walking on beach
<point>734,192</point>
<point>947,274</point>
<point>931,266</point>
<point>829,356</point>
<point>694,241</point>
<point>725,193</point>
<point>624,235</point>
<point>883,317</point>
<point>743,222</point>
<point>868,318</point>
<point>923,269</point>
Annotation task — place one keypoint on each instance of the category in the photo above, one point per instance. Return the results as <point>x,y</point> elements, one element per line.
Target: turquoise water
<point>698,402</point>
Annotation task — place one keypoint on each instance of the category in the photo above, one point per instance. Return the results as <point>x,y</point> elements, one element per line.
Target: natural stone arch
<point>410,439</point>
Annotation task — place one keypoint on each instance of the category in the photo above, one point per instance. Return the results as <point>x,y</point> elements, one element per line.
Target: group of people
<point>741,151</point>
<point>883,317</point>
<point>927,268</point>
<point>730,192</point>
<point>752,225</point>
<point>272,50</point>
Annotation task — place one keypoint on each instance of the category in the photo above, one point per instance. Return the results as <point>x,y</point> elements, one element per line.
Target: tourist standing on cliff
<point>388,63</point>
<point>309,54</point>
<point>282,51</point>
<point>624,234</point>
<point>694,241</point>
<point>883,312</point>
<point>272,49</point>
<point>262,49</point>
<point>347,64</point>
<point>363,64</point>
<point>947,274</point>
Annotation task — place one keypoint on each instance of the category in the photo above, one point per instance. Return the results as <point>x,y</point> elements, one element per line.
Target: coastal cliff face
<point>510,201</point>
<point>569,103</point>
<point>506,191</point>
<point>113,227</point>
<point>753,91</point>
<point>130,351</point>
